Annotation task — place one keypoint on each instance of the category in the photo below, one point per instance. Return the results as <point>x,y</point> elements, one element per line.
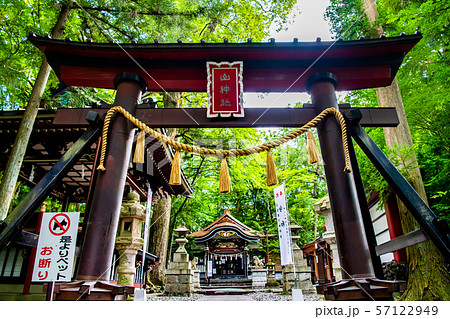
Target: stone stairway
<point>226,287</point>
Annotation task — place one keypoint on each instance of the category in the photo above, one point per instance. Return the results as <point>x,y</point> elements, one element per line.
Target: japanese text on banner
<point>284,232</point>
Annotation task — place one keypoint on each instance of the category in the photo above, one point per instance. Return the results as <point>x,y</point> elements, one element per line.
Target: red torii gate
<point>317,67</point>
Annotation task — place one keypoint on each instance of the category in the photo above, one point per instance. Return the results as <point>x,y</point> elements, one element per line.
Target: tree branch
<point>148,13</point>
<point>114,27</point>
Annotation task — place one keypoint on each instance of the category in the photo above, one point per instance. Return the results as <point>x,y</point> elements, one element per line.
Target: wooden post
<point>98,245</point>
<point>266,229</point>
<point>351,239</point>
<point>394,225</point>
<point>316,267</point>
<point>27,284</point>
<point>50,291</point>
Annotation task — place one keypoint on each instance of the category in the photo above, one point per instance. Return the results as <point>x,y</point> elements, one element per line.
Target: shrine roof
<point>225,223</point>
<point>267,67</point>
<point>48,142</point>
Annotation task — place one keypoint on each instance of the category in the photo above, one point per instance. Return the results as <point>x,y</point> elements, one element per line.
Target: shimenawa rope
<point>224,153</point>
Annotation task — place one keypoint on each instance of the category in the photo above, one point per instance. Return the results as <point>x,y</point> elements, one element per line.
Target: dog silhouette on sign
<point>60,225</point>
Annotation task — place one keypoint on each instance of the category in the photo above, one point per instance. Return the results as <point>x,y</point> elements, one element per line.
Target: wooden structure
<point>48,142</point>
<point>318,67</point>
<point>320,258</point>
<point>271,66</point>
<point>225,244</point>
<point>50,139</point>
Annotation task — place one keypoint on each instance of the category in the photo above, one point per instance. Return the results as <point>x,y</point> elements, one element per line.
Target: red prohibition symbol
<point>59,226</point>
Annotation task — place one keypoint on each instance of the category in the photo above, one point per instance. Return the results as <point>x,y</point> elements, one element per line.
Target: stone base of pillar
<point>196,279</point>
<point>303,280</point>
<point>91,291</point>
<point>179,276</point>
<point>271,280</point>
<point>361,289</point>
<point>259,278</point>
<point>179,282</point>
<point>126,270</point>
<point>330,238</point>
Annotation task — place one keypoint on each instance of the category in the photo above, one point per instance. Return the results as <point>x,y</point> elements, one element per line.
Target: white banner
<point>56,247</point>
<point>284,232</point>
<point>148,214</point>
<point>209,268</point>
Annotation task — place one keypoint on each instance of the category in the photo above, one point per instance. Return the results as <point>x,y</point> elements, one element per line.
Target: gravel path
<point>255,296</point>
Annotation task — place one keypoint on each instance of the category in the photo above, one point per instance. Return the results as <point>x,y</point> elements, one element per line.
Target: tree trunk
<point>428,278</point>
<point>159,237</point>
<point>26,125</point>
<point>159,232</point>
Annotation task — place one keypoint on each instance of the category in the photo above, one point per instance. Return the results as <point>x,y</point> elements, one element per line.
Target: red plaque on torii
<point>225,89</point>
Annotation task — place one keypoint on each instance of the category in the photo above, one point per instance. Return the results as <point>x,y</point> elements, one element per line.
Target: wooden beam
<point>270,66</point>
<point>434,227</point>
<point>27,239</point>
<point>409,239</point>
<point>134,184</point>
<point>254,117</point>
<point>12,224</point>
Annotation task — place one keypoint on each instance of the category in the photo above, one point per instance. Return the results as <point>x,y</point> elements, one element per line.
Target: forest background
<point>423,80</point>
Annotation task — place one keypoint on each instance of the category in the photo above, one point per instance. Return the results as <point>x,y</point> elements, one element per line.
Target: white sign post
<point>140,294</point>
<point>284,232</point>
<point>56,247</point>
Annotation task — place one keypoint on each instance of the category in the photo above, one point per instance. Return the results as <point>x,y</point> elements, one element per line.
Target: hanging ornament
<point>224,180</point>
<point>271,173</point>
<point>313,152</point>
<point>175,173</point>
<point>139,150</point>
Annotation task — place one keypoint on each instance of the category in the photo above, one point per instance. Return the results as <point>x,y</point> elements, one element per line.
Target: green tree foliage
<point>119,21</point>
<point>423,80</point>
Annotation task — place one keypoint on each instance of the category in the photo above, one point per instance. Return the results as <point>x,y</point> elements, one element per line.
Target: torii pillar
<point>98,248</point>
<point>350,234</point>
<point>101,227</point>
<point>354,254</point>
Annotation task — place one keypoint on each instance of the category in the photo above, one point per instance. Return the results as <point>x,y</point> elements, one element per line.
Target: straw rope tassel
<point>139,151</point>
<point>224,180</point>
<point>313,152</point>
<point>175,173</point>
<point>271,173</point>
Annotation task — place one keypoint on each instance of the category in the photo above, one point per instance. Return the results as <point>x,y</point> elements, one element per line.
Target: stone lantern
<point>179,273</point>
<point>129,238</point>
<point>181,240</point>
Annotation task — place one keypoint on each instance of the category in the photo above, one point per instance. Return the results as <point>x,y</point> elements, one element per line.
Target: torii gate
<point>317,67</point>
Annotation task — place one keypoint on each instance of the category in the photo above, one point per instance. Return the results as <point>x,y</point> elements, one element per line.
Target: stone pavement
<point>225,298</point>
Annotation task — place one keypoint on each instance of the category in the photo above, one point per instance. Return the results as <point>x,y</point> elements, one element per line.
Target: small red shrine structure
<point>319,257</point>
<point>225,244</point>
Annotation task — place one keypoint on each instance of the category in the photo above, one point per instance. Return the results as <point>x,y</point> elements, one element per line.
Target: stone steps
<point>225,291</point>
<point>230,286</point>
<point>225,287</point>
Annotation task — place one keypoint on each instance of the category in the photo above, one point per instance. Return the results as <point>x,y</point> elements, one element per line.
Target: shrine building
<point>227,248</point>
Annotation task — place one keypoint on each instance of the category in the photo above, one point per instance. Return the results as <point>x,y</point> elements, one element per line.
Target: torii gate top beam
<point>268,67</point>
